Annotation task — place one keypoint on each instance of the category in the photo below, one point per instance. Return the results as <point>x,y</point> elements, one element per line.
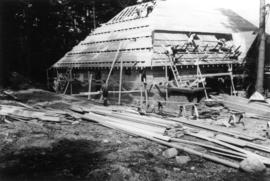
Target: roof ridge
<point>128,13</point>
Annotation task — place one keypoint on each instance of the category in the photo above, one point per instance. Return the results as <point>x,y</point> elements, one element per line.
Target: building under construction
<point>155,48</point>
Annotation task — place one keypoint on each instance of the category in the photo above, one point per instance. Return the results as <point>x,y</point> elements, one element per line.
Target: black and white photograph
<point>134,90</point>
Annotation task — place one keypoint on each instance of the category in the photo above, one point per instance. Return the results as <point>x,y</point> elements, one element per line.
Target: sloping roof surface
<point>182,15</point>
<point>132,33</point>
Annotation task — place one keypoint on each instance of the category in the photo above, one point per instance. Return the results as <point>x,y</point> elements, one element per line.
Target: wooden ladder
<point>69,78</point>
<point>176,75</point>
<point>200,77</point>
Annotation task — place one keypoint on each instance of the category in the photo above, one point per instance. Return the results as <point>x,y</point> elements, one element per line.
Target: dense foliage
<point>36,33</point>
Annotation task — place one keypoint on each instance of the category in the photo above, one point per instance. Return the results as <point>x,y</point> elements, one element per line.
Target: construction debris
<point>252,109</point>
<point>222,146</point>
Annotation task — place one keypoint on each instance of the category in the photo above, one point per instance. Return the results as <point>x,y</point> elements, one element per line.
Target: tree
<point>42,31</point>
<point>1,51</point>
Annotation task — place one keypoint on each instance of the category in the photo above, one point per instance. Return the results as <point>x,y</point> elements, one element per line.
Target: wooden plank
<point>184,121</point>
<point>120,82</point>
<point>113,63</point>
<point>248,153</point>
<point>207,146</point>
<point>228,155</point>
<point>130,117</point>
<point>142,31</point>
<point>200,154</point>
<point>90,77</point>
<point>140,42</point>
<point>157,138</point>
<point>242,143</point>
<point>29,114</point>
<point>105,58</point>
<point>243,105</point>
<point>142,126</point>
<point>107,121</point>
<point>124,25</point>
<point>231,140</point>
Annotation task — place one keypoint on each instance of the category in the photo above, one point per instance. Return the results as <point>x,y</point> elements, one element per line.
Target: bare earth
<point>44,151</point>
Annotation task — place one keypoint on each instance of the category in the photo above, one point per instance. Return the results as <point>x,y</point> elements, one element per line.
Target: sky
<point>249,9</point>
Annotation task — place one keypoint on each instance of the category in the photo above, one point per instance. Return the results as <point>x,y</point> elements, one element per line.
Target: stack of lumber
<point>252,109</point>
<point>24,112</point>
<point>224,147</point>
<point>219,145</point>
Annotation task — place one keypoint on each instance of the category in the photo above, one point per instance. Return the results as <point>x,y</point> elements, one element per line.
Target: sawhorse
<point>236,117</point>
<point>183,110</point>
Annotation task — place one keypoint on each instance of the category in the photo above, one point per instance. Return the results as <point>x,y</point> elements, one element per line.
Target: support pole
<point>90,76</point>
<point>231,77</point>
<point>120,82</point>
<point>166,77</point>
<point>113,63</point>
<point>199,74</point>
<point>146,96</point>
<point>141,96</point>
<point>261,58</point>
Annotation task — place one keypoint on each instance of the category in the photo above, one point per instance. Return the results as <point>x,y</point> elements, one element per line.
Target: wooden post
<point>113,63</point>
<point>90,76</point>
<point>231,77</point>
<point>146,96</point>
<point>261,58</point>
<point>70,82</point>
<point>199,74</point>
<point>120,82</point>
<point>166,77</point>
<point>141,96</point>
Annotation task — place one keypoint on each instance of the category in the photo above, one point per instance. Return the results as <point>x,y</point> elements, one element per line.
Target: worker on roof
<point>191,40</point>
<point>150,7</point>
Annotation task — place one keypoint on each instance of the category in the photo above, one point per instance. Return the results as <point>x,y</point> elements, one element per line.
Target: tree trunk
<point>261,58</point>
<point>1,49</point>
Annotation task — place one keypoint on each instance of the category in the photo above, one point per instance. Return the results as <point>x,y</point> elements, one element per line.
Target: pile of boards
<point>16,111</point>
<point>221,146</point>
<point>254,109</point>
<point>224,147</point>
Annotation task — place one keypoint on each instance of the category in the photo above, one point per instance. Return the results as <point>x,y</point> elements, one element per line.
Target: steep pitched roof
<point>131,32</point>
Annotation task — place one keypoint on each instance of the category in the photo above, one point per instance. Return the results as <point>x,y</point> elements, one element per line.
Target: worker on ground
<point>143,77</point>
<point>56,85</point>
<point>160,108</point>
<point>105,93</point>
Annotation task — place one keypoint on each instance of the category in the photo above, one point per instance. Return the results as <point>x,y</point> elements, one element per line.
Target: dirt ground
<point>43,151</point>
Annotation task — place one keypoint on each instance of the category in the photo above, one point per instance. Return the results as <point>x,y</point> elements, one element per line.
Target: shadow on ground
<point>65,160</point>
